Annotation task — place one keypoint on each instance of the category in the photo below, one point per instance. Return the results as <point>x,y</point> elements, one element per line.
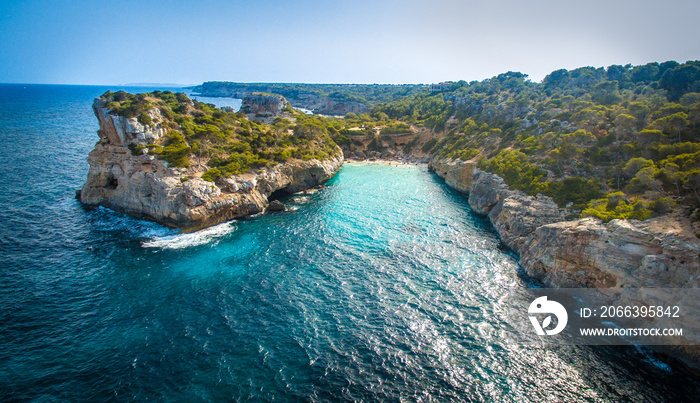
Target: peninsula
<point>186,164</point>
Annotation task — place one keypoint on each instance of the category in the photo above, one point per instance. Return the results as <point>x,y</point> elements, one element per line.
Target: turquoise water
<point>381,287</point>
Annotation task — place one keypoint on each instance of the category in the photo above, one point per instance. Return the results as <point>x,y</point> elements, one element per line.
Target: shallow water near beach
<point>384,286</point>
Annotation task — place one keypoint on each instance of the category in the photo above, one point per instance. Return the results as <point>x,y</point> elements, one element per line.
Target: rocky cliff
<point>258,104</point>
<point>124,178</point>
<point>457,173</point>
<point>578,253</point>
<point>335,106</point>
<point>120,131</point>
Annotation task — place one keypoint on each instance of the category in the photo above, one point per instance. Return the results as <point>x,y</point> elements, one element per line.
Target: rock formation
<point>336,106</point>
<point>124,179</point>
<point>276,205</point>
<point>621,253</point>
<point>120,131</point>
<point>457,173</point>
<point>579,253</point>
<point>260,104</point>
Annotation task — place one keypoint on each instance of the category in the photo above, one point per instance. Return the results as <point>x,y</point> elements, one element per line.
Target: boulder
<point>276,205</point>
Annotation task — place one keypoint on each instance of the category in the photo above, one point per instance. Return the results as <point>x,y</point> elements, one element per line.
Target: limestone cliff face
<point>120,131</point>
<point>620,253</point>
<point>337,106</point>
<point>457,174</point>
<point>263,104</point>
<point>486,191</point>
<point>145,186</point>
<point>579,253</point>
<point>517,215</point>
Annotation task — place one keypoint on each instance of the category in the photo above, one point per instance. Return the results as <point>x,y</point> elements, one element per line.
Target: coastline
<point>584,253</point>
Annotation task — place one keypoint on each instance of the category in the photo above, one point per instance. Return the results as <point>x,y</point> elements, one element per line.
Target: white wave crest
<point>180,241</point>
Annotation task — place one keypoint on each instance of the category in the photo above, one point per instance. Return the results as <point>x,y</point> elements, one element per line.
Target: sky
<point>309,41</point>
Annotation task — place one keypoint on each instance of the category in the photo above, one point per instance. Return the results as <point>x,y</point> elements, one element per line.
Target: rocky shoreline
<point>622,254</point>
<point>576,253</point>
<point>144,186</point>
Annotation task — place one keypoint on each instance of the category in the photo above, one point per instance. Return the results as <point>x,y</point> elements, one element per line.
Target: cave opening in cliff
<point>278,194</point>
<point>112,183</point>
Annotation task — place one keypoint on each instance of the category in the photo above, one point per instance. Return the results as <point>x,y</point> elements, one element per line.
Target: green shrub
<point>468,154</point>
<point>342,140</point>
<point>238,163</point>
<point>154,149</point>
<point>576,190</point>
<point>176,151</point>
<point>136,149</point>
<point>282,155</point>
<point>176,157</point>
<point>145,119</point>
<point>211,175</point>
<point>361,132</point>
<point>428,146</point>
<point>396,128</point>
<point>662,205</point>
<point>517,171</point>
<point>616,206</point>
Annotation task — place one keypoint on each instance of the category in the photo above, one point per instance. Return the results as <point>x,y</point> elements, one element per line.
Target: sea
<point>383,286</point>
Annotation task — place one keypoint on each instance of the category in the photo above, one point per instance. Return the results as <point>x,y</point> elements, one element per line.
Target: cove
<point>382,286</point>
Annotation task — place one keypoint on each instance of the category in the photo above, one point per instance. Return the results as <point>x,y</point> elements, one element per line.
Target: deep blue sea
<point>382,287</point>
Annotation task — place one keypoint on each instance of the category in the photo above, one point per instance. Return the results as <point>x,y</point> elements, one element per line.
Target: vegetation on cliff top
<point>225,142</point>
<point>616,142</point>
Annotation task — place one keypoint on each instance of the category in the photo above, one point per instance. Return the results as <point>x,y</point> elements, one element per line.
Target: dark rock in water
<point>276,205</point>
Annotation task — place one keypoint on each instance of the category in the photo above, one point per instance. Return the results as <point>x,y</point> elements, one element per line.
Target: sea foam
<point>180,241</point>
